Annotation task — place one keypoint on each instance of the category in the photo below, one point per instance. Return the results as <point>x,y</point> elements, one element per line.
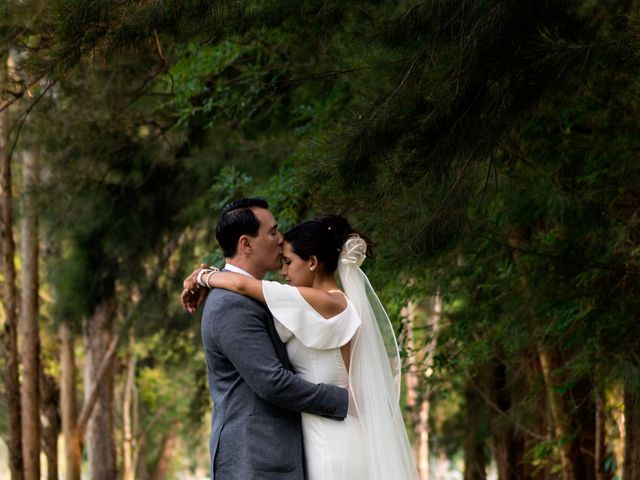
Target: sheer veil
<point>374,374</point>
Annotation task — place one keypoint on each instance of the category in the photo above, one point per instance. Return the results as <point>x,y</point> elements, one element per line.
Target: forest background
<point>489,148</point>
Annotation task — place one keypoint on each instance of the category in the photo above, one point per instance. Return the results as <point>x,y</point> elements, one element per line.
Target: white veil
<point>374,374</point>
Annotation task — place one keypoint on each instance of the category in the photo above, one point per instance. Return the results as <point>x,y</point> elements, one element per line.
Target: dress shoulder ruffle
<point>292,311</point>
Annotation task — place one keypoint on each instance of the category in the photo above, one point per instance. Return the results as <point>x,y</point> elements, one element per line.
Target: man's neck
<point>245,265</point>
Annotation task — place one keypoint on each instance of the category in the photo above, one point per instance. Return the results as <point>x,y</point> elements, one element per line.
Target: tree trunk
<point>632,433</point>
<point>418,365</point>
<point>559,417</point>
<point>100,428</point>
<point>30,387</point>
<point>72,437</point>
<point>129,446</point>
<point>416,381</point>
<point>508,445</point>
<point>9,300</point>
<point>428,353</point>
<point>475,461</point>
<point>423,437</point>
<point>164,461</point>
<point>573,467</point>
<point>137,438</point>
<point>142,473</point>
<point>617,414</point>
<point>583,414</point>
<point>570,456</point>
<point>601,449</point>
<point>408,314</point>
<point>50,410</point>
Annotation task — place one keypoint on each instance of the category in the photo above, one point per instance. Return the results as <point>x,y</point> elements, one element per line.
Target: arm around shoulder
<point>236,282</point>
<point>243,336</point>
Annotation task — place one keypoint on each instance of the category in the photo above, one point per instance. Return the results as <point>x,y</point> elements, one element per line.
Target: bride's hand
<point>192,299</point>
<point>193,295</point>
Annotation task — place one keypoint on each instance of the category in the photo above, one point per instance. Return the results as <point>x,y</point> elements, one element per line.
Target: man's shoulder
<point>220,300</point>
<point>225,310</point>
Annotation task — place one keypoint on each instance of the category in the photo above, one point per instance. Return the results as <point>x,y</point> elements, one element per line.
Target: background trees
<point>489,148</point>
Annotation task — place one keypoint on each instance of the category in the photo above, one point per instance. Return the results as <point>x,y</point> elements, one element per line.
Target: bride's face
<point>295,270</point>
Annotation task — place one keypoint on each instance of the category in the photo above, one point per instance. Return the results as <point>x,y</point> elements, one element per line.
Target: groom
<point>256,431</point>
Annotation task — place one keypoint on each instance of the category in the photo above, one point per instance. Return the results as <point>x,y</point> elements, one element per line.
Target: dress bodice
<point>313,342</point>
<point>317,366</point>
<point>333,450</point>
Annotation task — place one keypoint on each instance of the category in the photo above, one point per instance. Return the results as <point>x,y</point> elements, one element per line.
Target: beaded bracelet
<point>206,271</point>
<point>199,277</point>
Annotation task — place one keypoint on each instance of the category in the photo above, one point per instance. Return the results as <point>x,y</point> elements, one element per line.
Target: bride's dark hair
<point>322,237</point>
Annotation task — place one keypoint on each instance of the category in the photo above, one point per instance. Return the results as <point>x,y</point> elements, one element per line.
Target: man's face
<point>267,245</point>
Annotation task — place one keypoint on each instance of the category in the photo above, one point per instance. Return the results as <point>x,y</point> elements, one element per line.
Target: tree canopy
<point>488,148</point>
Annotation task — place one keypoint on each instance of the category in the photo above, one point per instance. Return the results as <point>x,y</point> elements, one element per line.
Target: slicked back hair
<point>237,219</point>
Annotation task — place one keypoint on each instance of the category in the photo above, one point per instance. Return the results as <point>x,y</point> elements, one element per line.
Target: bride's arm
<point>324,303</point>
<point>236,282</point>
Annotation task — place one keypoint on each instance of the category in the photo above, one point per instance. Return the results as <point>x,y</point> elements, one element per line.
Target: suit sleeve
<point>242,335</point>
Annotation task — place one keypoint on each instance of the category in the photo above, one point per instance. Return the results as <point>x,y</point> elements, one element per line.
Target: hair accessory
<point>354,250</point>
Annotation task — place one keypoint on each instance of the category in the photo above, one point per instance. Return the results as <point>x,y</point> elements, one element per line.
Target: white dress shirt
<point>233,268</point>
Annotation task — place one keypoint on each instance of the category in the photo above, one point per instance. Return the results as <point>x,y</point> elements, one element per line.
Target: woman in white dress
<point>338,336</point>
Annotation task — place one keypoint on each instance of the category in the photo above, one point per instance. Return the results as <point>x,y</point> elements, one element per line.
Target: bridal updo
<point>323,237</point>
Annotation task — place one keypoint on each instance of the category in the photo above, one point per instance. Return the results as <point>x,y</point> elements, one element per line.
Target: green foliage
<point>287,196</point>
<point>165,369</point>
<point>230,184</point>
<point>227,80</point>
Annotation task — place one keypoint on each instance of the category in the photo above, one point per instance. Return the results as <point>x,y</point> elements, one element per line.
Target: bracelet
<point>202,273</point>
<point>199,277</point>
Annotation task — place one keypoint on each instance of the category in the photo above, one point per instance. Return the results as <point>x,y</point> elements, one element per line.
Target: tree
<point>31,369</point>
<point>9,297</point>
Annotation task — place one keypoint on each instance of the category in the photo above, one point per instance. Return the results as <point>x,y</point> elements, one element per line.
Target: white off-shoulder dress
<point>334,450</point>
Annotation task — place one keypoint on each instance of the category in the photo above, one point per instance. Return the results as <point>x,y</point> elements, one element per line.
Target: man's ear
<point>313,263</point>
<point>244,244</point>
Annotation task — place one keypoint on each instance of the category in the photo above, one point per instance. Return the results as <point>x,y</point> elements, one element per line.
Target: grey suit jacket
<point>256,431</point>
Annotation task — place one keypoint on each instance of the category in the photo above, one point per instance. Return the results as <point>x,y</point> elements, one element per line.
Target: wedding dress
<point>371,443</point>
<point>333,450</point>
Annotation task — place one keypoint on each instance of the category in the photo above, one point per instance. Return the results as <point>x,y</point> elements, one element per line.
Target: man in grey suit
<point>256,429</point>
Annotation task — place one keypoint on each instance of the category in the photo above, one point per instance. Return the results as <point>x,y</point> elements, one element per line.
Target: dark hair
<point>237,219</point>
<point>322,237</point>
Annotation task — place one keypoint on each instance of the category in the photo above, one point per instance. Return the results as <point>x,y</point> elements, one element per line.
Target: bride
<point>338,336</point>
